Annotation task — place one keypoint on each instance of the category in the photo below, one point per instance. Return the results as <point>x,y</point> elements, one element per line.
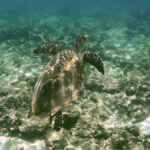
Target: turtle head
<point>79,42</point>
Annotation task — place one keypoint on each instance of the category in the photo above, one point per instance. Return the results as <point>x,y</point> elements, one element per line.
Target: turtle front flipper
<point>94,59</point>
<point>57,121</point>
<point>48,49</point>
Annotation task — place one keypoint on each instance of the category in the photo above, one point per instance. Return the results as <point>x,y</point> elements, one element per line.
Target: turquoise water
<point>113,110</point>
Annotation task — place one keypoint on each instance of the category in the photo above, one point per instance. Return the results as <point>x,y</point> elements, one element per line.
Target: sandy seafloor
<point>113,111</point>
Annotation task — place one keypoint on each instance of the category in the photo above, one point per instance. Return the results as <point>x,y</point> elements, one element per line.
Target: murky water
<point>112,111</point>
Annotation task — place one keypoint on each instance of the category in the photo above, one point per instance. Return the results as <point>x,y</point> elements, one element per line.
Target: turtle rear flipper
<point>48,49</point>
<point>57,121</point>
<point>94,59</point>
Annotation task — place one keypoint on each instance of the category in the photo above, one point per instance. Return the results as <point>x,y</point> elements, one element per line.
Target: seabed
<point>113,112</point>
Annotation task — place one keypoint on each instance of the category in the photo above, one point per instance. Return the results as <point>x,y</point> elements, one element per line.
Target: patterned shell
<point>59,84</point>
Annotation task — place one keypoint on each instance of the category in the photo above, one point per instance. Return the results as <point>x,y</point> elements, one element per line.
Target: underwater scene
<point>74,75</point>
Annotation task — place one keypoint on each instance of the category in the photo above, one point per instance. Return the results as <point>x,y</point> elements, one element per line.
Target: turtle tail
<point>48,49</point>
<point>94,59</point>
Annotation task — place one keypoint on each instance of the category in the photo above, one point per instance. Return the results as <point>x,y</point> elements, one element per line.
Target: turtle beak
<point>85,36</point>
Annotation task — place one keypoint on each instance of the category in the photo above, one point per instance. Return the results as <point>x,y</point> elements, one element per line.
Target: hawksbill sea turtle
<point>62,79</point>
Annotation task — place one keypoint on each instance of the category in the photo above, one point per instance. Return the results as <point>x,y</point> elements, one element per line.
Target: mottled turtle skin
<point>62,79</point>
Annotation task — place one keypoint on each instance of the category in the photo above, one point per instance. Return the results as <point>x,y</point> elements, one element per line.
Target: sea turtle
<point>62,78</point>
